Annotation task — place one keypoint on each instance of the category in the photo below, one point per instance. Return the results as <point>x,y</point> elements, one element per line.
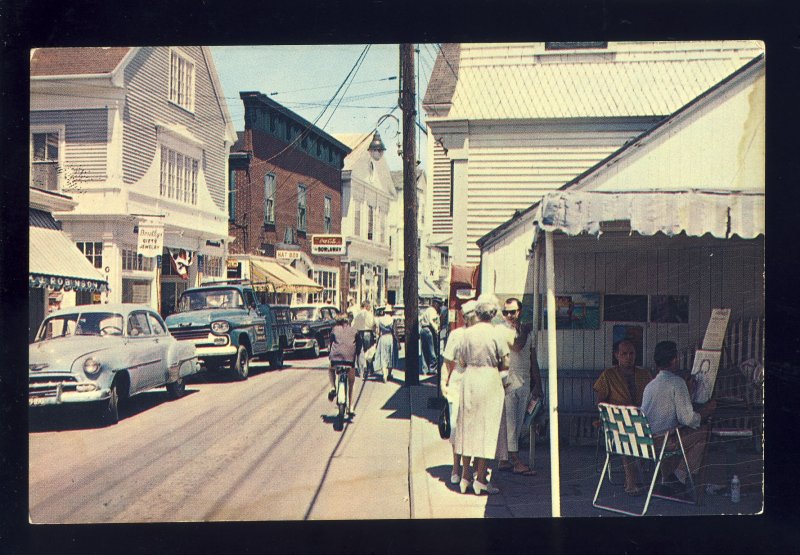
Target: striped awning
<point>268,275</point>
<point>56,263</point>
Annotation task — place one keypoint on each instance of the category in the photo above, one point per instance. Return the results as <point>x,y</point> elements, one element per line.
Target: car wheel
<point>313,351</point>
<point>241,366</point>
<point>276,359</point>
<point>176,389</point>
<point>110,411</point>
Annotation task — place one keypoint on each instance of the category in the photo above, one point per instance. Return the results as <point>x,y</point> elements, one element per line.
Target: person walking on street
<point>429,331</point>
<point>524,382</point>
<point>345,345</point>
<point>484,355</point>
<point>451,379</point>
<point>364,323</point>
<point>624,384</point>
<point>386,352</point>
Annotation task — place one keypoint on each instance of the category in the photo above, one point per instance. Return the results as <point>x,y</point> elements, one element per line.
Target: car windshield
<point>305,313</point>
<point>87,323</point>
<point>200,299</point>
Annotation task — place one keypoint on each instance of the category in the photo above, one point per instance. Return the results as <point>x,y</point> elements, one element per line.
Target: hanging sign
<point>330,245</point>
<point>288,255</point>
<point>151,240</point>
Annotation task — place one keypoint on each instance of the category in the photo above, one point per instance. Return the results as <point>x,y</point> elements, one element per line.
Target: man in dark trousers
<point>345,344</point>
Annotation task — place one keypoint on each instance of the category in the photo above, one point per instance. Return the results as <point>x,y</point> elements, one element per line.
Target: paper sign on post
<point>717,326</point>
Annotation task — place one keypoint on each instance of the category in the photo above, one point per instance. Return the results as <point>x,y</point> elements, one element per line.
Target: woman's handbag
<point>444,421</point>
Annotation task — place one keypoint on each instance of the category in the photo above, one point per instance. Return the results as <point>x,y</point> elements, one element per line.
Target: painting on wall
<point>669,309</point>
<point>625,308</point>
<point>575,311</point>
<point>633,333</point>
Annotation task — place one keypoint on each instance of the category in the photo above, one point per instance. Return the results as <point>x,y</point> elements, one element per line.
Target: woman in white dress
<point>451,380</point>
<point>484,354</point>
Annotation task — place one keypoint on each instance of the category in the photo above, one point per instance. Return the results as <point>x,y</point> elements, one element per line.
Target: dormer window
<point>181,81</point>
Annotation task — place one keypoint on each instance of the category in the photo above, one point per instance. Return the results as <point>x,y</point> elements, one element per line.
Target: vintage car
<point>312,325</point>
<point>104,354</point>
<point>230,323</point>
<point>399,316</point>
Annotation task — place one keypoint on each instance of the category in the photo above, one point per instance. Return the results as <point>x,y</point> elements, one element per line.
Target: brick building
<point>286,186</point>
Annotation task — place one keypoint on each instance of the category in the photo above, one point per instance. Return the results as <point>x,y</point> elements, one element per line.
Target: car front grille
<point>183,334</point>
<point>47,386</point>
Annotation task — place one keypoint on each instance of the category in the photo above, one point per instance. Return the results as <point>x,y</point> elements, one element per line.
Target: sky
<point>305,78</point>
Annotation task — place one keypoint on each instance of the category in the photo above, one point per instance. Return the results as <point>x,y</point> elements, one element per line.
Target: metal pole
<point>552,375</point>
<point>411,274</point>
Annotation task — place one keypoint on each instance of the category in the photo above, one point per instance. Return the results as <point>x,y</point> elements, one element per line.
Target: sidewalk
<point>432,495</point>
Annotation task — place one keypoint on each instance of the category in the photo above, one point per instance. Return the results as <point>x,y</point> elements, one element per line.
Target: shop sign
<point>329,245</point>
<point>151,240</point>
<point>288,255</point>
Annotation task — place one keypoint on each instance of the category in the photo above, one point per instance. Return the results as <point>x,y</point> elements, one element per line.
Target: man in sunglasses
<point>523,382</point>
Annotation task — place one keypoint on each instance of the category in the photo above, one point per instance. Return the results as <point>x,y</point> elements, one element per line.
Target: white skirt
<point>453,396</point>
<point>479,413</point>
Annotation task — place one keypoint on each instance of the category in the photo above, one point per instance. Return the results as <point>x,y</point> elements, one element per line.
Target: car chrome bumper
<point>207,352</point>
<point>301,344</point>
<point>61,397</point>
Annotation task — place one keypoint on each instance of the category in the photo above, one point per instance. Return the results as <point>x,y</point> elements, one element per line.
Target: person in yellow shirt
<point>624,384</point>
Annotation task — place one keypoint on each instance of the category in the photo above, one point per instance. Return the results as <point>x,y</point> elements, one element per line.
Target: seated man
<point>624,384</point>
<point>667,404</point>
<point>345,344</point>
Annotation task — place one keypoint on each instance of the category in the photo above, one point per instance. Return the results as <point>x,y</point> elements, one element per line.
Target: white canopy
<point>722,214</point>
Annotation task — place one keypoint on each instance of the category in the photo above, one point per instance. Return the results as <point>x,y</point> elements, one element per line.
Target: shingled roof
<point>526,80</point>
<point>76,61</point>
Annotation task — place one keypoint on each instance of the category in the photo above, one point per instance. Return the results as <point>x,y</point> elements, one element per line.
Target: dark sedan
<point>312,325</point>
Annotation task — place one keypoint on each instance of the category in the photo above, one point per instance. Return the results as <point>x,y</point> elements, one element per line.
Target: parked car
<point>104,354</point>
<point>229,325</point>
<point>312,325</point>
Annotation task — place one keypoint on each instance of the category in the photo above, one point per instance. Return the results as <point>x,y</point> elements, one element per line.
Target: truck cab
<point>229,325</point>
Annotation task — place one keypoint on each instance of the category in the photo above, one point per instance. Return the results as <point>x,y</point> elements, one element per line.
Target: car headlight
<point>220,326</point>
<point>305,330</point>
<point>91,367</point>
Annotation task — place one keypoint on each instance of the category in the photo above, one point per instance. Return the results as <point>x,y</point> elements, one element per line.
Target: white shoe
<point>463,485</point>
<point>477,487</point>
<point>455,477</point>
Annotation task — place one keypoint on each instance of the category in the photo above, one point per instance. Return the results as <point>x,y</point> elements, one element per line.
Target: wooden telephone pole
<point>410,273</point>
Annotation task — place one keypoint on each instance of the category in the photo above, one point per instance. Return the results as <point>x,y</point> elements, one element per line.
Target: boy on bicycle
<point>345,344</point>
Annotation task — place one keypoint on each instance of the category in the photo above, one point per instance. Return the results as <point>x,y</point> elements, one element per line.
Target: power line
<point>391,78</point>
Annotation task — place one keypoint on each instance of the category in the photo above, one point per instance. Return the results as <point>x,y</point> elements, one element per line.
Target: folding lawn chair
<point>627,433</point>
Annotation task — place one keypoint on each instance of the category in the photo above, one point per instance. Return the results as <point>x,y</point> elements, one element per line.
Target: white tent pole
<point>552,374</point>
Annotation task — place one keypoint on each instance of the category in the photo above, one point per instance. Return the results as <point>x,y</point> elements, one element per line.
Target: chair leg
<point>597,505</point>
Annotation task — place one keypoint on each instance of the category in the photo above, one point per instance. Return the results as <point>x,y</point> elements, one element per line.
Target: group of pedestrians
<point>491,376</point>
<point>379,345</point>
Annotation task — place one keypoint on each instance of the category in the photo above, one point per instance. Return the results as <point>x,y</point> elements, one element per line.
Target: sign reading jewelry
<point>151,239</point>
<point>330,245</point>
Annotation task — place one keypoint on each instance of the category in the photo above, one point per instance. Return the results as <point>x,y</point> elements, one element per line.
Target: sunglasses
<point>509,312</point>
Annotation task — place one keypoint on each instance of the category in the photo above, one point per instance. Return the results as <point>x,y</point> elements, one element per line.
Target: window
<point>137,324</point>
<point>178,176</point>
<point>231,195</point>
<point>156,324</point>
<point>301,207</point>
<point>381,227</point>
<point>135,291</point>
<point>452,184</point>
<point>288,236</point>
<point>574,45</point>
<point>357,221</point>
<point>133,261</point>
<point>44,169</point>
<point>92,251</point>
<point>212,265</point>
<point>269,199</point>
<point>181,81</point>
<point>330,284</point>
<point>370,222</point>
<point>391,248</point>
<point>328,218</point>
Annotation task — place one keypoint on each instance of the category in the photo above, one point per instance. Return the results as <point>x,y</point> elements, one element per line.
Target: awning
<point>55,262</point>
<point>268,275</point>
<point>428,290</point>
<point>722,214</point>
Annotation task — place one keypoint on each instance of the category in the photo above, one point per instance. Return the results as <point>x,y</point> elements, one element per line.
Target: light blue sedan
<point>104,354</point>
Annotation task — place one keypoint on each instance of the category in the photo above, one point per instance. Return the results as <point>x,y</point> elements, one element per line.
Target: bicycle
<point>342,393</point>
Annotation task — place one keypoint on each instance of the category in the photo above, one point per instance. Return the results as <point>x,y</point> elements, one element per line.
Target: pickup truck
<point>229,326</point>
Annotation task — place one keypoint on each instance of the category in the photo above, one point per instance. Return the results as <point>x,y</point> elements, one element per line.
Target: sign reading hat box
<point>329,245</point>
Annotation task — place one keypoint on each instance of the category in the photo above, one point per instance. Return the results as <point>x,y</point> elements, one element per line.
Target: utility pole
<point>410,273</point>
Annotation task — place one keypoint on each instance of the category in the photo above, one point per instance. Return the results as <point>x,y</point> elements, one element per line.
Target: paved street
<point>263,449</point>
